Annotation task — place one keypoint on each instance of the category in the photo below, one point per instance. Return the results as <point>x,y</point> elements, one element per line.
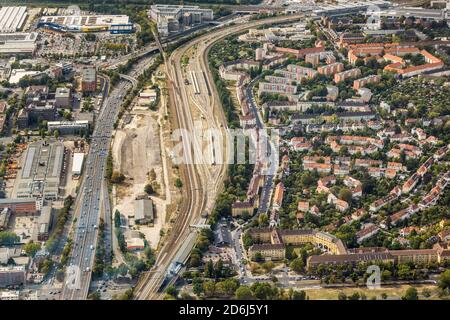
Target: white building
<point>12,19</point>
<point>77,164</point>
<point>172,18</point>
<point>18,43</point>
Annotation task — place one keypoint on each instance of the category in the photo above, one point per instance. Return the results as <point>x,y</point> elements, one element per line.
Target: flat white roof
<point>77,164</point>
<point>93,20</point>
<point>12,18</point>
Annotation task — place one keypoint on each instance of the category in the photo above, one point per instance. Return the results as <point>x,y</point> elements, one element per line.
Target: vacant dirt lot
<point>136,151</point>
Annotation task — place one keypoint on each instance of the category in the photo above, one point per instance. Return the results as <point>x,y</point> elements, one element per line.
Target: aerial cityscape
<point>225,150</point>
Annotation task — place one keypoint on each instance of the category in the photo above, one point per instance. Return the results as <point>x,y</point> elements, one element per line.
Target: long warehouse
<point>12,19</point>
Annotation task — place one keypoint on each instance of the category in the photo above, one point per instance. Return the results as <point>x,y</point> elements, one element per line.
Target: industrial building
<point>173,18</point>
<point>12,19</point>
<point>143,211</point>
<point>5,214</point>
<point>88,23</point>
<point>77,164</point>
<point>18,43</point>
<point>41,171</point>
<point>21,206</point>
<point>44,223</point>
<point>68,127</point>
<point>345,8</point>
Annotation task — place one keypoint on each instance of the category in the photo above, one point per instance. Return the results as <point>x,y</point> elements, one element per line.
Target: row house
<point>439,154</point>
<point>344,75</point>
<point>341,170</point>
<point>380,203</point>
<point>278,80</point>
<point>403,214</point>
<point>359,83</point>
<point>278,196</point>
<point>331,69</point>
<point>425,166</point>
<point>401,137</point>
<point>299,53</point>
<point>320,167</point>
<point>419,132</point>
<point>276,88</point>
<point>313,159</point>
<point>293,76</point>
<point>410,183</point>
<point>304,71</point>
<point>365,163</point>
<point>358,214</point>
<point>366,232</point>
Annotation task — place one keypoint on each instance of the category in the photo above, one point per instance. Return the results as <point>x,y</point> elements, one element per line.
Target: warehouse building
<point>21,206</point>
<point>44,223</point>
<point>88,23</point>
<point>77,165</point>
<point>143,211</point>
<point>12,19</point>
<point>18,43</point>
<point>41,171</point>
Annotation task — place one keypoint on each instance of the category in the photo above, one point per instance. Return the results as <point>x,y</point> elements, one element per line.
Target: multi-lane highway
<point>200,190</point>
<point>85,235</point>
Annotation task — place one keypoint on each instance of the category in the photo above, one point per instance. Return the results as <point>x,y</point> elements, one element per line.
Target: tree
<point>444,280</point>
<point>268,266</point>
<point>342,296</point>
<point>209,269</point>
<point>31,248</point>
<point>8,238</point>
<point>148,189</point>
<point>117,177</point>
<point>258,257</point>
<point>95,295</point>
<point>411,294</point>
<point>178,183</point>
<point>243,293</point>
<point>299,295</point>
<point>209,287</point>
<point>171,290</point>
<point>297,265</point>
<point>345,195</point>
<point>229,286</point>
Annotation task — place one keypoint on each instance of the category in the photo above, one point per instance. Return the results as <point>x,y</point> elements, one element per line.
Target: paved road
<point>85,237</point>
<point>268,184</point>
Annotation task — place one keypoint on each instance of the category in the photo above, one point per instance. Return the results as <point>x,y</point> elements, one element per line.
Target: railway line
<point>199,192</point>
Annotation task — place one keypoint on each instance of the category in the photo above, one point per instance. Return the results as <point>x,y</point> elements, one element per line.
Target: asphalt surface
<point>86,232</point>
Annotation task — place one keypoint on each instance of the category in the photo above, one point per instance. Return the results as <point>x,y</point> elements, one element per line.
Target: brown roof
<point>267,246</point>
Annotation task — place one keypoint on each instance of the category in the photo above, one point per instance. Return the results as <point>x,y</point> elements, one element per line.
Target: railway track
<point>194,200</point>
